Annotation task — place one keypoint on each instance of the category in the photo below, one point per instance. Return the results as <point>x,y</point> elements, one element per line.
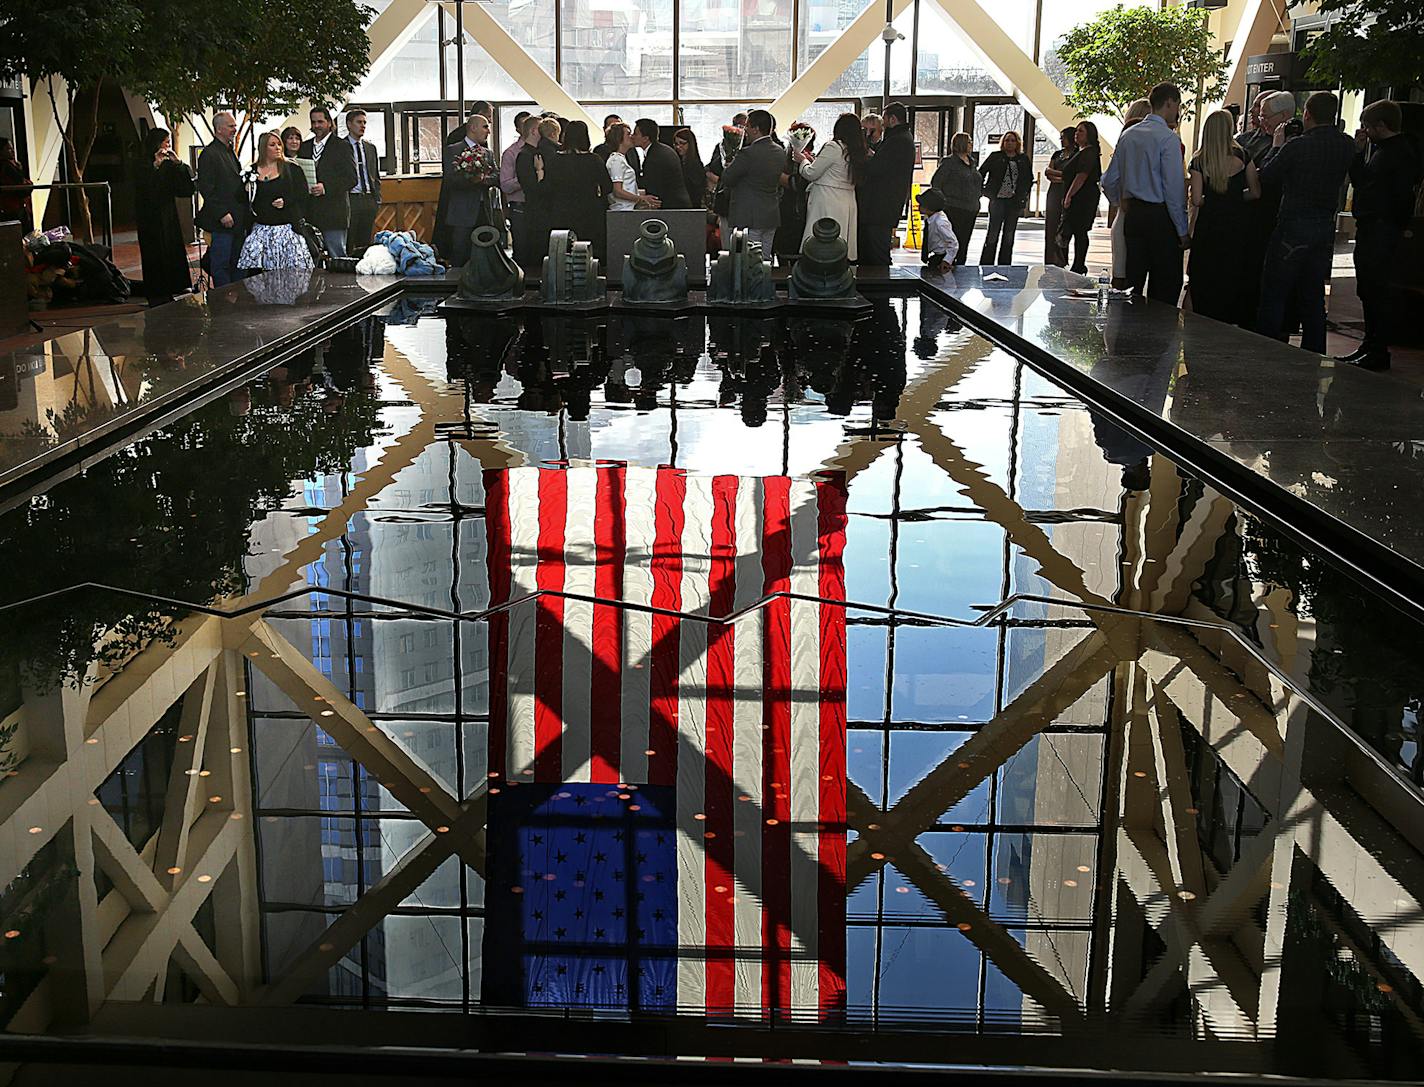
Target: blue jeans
<point>222,257</point>
<point>335,241</point>
<point>1293,280</point>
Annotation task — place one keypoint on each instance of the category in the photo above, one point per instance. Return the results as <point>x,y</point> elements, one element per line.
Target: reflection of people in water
<point>934,319</point>
<point>282,286</point>
<point>1136,360</point>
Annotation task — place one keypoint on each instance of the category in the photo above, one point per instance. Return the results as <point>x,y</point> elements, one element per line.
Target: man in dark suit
<point>753,181</point>
<point>884,188</point>
<point>461,194</point>
<point>225,209</point>
<point>366,193</point>
<point>329,208</point>
<point>660,169</point>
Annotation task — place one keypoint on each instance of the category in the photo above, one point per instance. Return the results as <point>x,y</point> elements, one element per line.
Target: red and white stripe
<point>746,720</point>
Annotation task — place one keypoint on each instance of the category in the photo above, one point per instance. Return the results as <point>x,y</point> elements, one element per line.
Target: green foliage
<point>261,56</point>
<point>1125,52</point>
<point>80,41</point>
<point>1373,43</point>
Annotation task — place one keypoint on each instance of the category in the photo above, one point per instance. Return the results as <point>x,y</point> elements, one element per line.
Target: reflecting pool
<point>848,679</point>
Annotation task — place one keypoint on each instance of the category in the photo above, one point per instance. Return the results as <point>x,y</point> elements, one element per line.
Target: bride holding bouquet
<point>832,176</point>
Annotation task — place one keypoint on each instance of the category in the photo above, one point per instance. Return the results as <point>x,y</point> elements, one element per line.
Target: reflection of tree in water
<point>1365,659</point>
<point>170,514</point>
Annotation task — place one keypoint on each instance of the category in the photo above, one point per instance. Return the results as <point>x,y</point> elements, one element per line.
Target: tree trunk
<point>77,201</point>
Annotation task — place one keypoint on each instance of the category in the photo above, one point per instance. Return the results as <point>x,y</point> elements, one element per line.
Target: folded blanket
<point>412,257</point>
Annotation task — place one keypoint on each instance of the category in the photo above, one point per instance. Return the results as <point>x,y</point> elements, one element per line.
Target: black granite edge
<point>1396,577</point>
<point>66,459</point>
<point>583,1053</point>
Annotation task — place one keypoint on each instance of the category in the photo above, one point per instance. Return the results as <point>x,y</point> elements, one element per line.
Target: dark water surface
<point>1188,842</point>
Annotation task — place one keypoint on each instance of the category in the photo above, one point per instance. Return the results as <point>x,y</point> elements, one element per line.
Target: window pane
<point>736,48</point>
<point>617,50</point>
<point>1053,780</point>
<point>945,64</point>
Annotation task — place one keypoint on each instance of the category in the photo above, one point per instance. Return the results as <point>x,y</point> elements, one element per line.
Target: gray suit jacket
<point>462,207</point>
<point>753,181</point>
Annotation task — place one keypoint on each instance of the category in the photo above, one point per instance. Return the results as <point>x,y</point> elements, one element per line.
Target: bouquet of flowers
<point>477,165</point>
<point>731,143</point>
<point>802,136</point>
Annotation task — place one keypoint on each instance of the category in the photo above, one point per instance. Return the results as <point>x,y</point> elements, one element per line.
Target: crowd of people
<point>1254,212</point>
<point>299,198</point>
<point>772,186</point>
<point>1251,215</point>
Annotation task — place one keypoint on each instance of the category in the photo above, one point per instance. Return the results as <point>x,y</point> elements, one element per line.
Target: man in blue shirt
<point>1310,170</point>
<point>1148,180</point>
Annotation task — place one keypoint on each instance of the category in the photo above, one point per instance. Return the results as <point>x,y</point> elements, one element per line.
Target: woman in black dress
<point>1081,174</point>
<point>162,179</point>
<point>1053,202</point>
<point>279,191</point>
<point>1223,179</point>
<point>578,187</point>
<point>694,170</point>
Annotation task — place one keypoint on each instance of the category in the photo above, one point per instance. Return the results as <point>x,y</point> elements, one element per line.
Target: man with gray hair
<point>224,211</point>
<point>1273,110</point>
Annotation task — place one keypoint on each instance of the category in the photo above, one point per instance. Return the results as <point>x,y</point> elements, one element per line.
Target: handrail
<point>986,619</point>
<point>68,211</point>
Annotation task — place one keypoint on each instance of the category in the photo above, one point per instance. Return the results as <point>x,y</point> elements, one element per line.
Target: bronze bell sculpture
<point>740,274</point>
<point>490,275</point>
<point>655,271</point>
<point>824,270</point>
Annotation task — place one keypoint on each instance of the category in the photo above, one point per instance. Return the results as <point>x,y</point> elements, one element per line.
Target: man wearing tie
<point>329,209</point>
<point>366,193</point>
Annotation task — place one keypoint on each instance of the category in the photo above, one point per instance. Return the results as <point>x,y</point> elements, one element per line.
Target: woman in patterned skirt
<point>278,190</point>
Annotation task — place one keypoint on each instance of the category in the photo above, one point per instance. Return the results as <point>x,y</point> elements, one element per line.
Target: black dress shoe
<point>1376,361</point>
<point>1355,355</point>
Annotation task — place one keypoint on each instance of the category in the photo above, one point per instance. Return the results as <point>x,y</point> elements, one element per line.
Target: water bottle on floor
<point>1104,288</point>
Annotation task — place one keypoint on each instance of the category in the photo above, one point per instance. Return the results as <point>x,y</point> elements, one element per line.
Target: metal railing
<point>67,186</point>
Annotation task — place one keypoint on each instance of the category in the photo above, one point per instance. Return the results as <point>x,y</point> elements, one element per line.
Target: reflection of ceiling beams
<point>1006,953</point>
<point>120,948</point>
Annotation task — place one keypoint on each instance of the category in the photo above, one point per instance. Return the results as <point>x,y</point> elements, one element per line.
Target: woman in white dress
<point>832,175</point>
<point>625,195</point>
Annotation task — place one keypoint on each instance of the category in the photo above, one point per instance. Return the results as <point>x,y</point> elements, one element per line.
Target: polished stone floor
<point>1317,437</point>
<point>1161,812</point>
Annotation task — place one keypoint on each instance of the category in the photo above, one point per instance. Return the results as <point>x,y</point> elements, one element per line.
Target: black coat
<point>994,168</point>
<point>661,175</point>
<point>336,170</point>
<point>884,186</point>
<point>220,185</point>
<point>580,187</point>
<point>160,237</point>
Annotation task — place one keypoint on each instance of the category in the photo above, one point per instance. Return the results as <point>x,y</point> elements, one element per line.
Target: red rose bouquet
<point>478,165</point>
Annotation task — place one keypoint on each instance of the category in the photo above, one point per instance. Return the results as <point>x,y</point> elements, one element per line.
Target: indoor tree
<point>270,57</point>
<point>1372,43</point>
<point>66,49</point>
<point>1124,52</point>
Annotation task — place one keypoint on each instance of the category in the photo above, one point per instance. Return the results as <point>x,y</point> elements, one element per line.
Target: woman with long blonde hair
<point>278,191</point>
<point>1223,180</point>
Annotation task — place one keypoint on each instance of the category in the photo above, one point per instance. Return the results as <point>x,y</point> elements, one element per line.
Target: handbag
<point>316,244</point>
